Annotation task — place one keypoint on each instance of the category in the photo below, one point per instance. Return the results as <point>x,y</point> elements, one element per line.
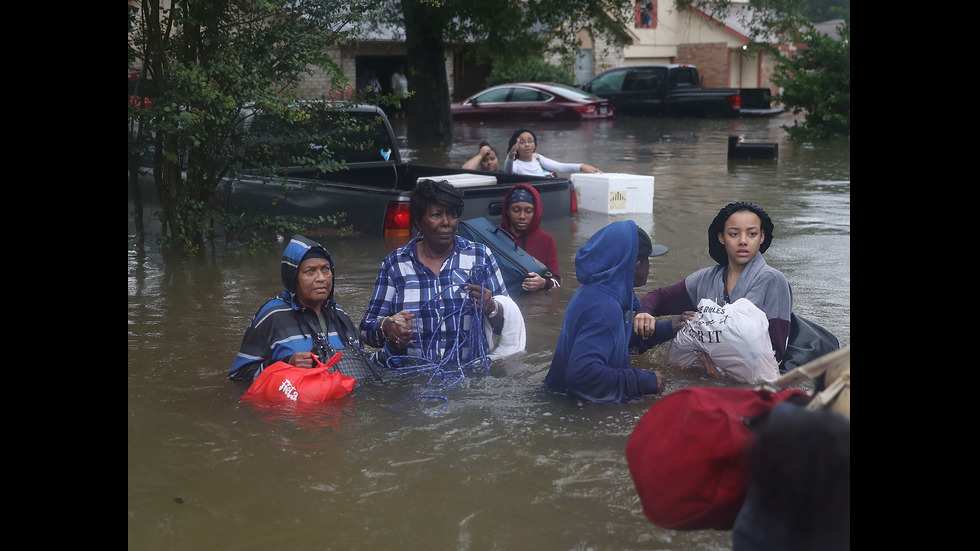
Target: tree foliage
<point>823,10</point>
<point>767,21</point>
<point>531,69</point>
<point>816,81</point>
<point>207,61</point>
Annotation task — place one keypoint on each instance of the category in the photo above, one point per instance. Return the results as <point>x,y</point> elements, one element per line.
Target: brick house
<point>717,46</point>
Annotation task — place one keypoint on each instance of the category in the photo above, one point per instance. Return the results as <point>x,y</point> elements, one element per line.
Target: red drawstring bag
<point>688,454</point>
<point>282,382</point>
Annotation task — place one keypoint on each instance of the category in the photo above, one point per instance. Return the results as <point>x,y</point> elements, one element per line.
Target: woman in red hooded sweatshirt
<point>522,219</point>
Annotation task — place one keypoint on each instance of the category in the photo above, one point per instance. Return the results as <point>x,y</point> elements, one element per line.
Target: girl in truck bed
<point>522,158</point>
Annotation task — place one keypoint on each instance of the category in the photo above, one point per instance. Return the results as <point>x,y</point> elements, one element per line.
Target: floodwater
<point>505,465</point>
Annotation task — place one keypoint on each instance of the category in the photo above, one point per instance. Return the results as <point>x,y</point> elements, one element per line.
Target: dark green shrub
<point>529,70</point>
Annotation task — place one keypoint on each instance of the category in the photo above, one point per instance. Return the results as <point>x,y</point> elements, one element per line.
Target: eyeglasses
<point>522,142</point>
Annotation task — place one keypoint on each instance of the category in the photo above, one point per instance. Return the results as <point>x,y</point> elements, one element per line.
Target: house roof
<point>736,21</point>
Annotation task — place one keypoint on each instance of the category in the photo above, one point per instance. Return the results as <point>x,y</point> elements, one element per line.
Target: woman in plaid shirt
<point>426,291</point>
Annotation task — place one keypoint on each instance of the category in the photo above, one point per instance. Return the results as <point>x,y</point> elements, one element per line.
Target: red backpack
<point>688,454</point>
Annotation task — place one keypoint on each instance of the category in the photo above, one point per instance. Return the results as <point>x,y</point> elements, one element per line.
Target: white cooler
<point>614,193</point>
<point>465,180</point>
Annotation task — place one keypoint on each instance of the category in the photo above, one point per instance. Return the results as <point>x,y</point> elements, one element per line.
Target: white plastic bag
<point>736,336</point>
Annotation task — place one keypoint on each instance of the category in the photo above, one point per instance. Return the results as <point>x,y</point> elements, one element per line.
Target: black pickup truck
<point>675,90</point>
<point>374,188</point>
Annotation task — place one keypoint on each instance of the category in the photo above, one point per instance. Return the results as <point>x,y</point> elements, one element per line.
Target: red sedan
<point>532,101</point>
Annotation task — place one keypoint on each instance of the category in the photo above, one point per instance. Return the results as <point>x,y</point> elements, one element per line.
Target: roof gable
<point>735,21</point>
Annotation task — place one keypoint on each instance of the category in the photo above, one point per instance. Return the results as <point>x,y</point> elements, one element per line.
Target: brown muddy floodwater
<point>506,465</point>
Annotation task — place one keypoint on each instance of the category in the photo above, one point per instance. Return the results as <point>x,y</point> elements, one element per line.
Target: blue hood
<point>298,246</point>
<point>608,261</point>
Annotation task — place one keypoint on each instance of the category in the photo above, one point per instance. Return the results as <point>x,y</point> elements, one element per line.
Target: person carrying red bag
<point>304,318</point>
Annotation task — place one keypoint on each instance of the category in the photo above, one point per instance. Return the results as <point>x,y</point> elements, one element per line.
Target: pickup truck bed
<point>372,194</point>
<point>375,187</point>
<point>756,102</point>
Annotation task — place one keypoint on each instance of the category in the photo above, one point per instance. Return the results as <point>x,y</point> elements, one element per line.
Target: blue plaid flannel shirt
<point>404,283</point>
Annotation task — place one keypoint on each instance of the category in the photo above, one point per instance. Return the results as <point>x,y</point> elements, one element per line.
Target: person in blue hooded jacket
<point>305,317</point>
<point>592,357</point>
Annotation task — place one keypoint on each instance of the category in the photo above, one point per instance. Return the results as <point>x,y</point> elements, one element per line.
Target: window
<point>526,94</point>
<point>646,14</point>
<point>584,66</point>
<point>498,95</point>
<point>609,82</point>
<point>648,80</point>
<point>683,76</point>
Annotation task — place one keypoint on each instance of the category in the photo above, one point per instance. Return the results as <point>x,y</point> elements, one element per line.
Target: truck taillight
<point>398,220</point>
<point>574,197</point>
<point>736,101</point>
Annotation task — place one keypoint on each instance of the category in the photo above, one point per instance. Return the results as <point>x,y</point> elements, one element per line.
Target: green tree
<point>816,81</point>
<point>822,10</point>
<point>207,60</point>
<point>767,21</point>
<point>501,31</point>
